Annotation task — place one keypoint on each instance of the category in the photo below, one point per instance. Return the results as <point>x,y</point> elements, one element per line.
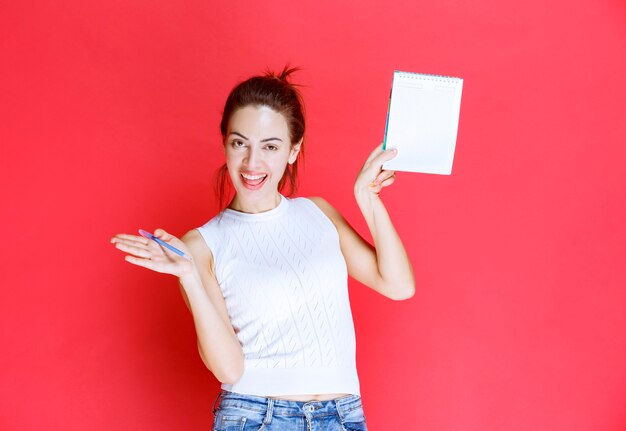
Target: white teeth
<point>252,177</point>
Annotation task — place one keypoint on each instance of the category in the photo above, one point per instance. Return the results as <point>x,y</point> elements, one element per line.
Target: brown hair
<point>280,95</point>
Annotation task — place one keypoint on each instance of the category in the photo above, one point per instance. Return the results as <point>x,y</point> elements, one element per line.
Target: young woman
<point>267,282</point>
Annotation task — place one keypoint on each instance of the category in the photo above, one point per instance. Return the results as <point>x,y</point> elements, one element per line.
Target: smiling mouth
<point>253,181</point>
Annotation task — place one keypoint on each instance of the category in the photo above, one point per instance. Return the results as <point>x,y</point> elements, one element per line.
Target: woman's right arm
<point>218,345</point>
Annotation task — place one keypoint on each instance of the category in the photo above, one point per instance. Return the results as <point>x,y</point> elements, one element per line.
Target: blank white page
<point>422,122</point>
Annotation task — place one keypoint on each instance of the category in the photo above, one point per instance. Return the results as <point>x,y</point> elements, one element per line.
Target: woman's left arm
<point>385,267</point>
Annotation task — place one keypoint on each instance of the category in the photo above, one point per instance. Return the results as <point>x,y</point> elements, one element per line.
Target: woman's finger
<point>389,181</point>
<point>383,175</point>
<point>161,234</point>
<point>375,166</point>
<point>384,156</point>
<point>162,264</point>
<point>170,239</point>
<point>133,249</point>
<point>132,241</point>
<point>122,237</point>
<point>375,153</point>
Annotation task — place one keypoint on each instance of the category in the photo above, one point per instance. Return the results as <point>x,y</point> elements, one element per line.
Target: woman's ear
<point>295,149</point>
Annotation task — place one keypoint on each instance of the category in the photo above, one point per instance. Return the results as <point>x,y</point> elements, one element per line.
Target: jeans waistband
<point>279,407</point>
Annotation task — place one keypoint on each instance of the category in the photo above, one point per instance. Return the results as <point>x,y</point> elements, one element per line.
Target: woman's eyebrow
<point>238,134</point>
<point>263,140</point>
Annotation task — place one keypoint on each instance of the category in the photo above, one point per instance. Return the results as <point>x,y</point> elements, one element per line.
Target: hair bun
<point>284,75</point>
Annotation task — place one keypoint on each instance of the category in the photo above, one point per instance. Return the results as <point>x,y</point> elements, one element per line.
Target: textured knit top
<point>284,281</point>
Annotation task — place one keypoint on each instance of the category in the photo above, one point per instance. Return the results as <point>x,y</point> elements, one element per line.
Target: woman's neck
<point>252,207</point>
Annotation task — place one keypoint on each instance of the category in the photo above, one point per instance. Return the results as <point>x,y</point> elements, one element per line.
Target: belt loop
<point>270,411</point>
<point>339,408</point>
<point>219,395</point>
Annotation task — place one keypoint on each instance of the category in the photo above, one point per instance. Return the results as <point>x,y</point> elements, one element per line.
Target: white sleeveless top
<point>285,283</point>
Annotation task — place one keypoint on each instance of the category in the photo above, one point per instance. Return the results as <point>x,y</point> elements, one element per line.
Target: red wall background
<point>109,122</point>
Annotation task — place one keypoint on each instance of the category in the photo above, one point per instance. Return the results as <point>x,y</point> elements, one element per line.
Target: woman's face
<point>258,148</point>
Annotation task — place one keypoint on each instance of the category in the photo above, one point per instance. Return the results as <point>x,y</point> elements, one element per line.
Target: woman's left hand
<point>372,177</point>
<point>149,254</point>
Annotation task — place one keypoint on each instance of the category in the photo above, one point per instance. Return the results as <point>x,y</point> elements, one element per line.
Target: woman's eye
<point>272,147</point>
<point>237,143</point>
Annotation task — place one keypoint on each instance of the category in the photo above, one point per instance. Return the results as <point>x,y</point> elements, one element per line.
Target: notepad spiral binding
<point>427,76</point>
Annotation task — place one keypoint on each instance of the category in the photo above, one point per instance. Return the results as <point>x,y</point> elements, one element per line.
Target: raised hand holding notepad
<point>422,122</point>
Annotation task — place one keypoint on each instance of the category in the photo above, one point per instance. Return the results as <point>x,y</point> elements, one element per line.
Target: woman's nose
<point>253,157</point>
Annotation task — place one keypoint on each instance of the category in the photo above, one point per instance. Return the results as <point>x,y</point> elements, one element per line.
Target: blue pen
<point>163,243</point>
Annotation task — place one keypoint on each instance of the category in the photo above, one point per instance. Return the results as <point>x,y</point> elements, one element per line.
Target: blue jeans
<point>239,412</point>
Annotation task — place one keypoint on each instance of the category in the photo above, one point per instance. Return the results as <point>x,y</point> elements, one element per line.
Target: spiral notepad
<point>422,122</point>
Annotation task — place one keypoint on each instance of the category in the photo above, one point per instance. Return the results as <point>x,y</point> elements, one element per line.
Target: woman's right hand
<point>150,254</point>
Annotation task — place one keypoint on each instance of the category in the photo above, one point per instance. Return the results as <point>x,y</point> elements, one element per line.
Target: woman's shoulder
<point>324,206</point>
<point>317,200</point>
<point>195,241</point>
<point>210,226</point>
<point>203,238</point>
